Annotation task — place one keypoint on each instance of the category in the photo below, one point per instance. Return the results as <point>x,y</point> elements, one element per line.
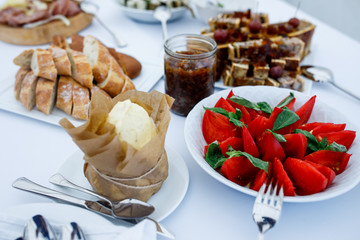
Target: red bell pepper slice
<point>281,178</point>
<point>222,103</point>
<point>328,127</point>
<point>258,126</point>
<point>326,171</point>
<point>216,127</point>
<point>306,178</point>
<point>259,180</point>
<point>239,170</point>
<point>337,161</point>
<point>295,145</point>
<point>345,137</point>
<point>270,148</point>
<point>249,144</point>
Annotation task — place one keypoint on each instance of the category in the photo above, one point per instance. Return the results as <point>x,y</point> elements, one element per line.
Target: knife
<point>25,184</point>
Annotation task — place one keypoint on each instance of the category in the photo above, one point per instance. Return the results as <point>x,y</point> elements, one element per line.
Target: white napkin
<point>12,227</point>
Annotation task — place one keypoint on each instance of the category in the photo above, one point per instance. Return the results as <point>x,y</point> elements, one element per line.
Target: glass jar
<point>190,70</point>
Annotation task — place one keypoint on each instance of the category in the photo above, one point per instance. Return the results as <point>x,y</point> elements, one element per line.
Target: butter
<point>132,123</point>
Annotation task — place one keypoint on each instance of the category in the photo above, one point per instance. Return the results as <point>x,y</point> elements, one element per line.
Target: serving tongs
<point>95,206</point>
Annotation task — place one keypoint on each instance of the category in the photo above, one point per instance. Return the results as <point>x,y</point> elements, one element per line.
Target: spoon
<point>131,208</point>
<point>323,75</point>
<point>72,231</point>
<point>163,13</point>
<point>92,8</point>
<point>38,228</point>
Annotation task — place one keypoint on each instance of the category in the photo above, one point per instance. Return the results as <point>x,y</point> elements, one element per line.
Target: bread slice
<point>18,80</point>
<point>45,95</point>
<point>64,98</point>
<point>129,85</point>
<point>98,56</point>
<point>77,43</point>
<point>61,60</point>
<point>129,64</point>
<point>115,80</point>
<point>42,64</point>
<point>80,68</point>
<point>97,89</point>
<point>27,91</point>
<point>60,41</point>
<point>24,59</point>
<point>81,102</point>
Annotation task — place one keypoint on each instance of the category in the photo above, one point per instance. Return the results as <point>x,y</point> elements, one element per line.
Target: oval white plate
<point>165,200</point>
<point>148,15</point>
<point>323,113</point>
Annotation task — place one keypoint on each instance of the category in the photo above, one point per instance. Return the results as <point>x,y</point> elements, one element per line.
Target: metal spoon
<point>72,231</point>
<point>323,75</point>
<point>38,228</point>
<point>132,208</point>
<point>163,13</point>
<point>92,8</point>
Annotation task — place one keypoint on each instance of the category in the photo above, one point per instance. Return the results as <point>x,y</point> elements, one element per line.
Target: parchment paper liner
<point>116,159</point>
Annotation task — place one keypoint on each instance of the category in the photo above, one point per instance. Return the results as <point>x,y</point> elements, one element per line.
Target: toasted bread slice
<point>24,59</point>
<point>98,56</point>
<point>64,98</point>
<point>61,60</point>
<point>18,80</point>
<point>81,102</point>
<point>45,95</point>
<point>80,68</point>
<point>27,91</point>
<point>42,64</point>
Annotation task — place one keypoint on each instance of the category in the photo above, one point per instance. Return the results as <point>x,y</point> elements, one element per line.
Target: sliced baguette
<point>115,80</point>
<point>60,41</point>
<point>97,89</point>
<point>129,85</point>
<point>24,59</point>
<point>61,60</point>
<point>42,64</point>
<point>64,98</point>
<point>98,56</point>
<point>27,91</point>
<point>18,80</point>
<point>45,95</point>
<point>81,102</point>
<point>80,68</point>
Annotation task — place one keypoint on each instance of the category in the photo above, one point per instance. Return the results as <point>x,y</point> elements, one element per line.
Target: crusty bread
<point>81,102</point>
<point>64,98</point>
<point>45,95</point>
<point>42,64</point>
<point>27,91</point>
<point>129,85</point>
<point>77,43</point>
<point>98,56</point>
<point>61,60</point>
<point>80,68</point>
<point>24,59</point>
<point>97,89</point>
<point>60,41</point>
<point>115,80</point>
<point>130,65</point>
<point>18,80</point>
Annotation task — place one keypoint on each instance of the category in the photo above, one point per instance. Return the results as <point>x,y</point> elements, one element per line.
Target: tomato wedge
<point>239,170</point>
<point>216,127</point>
<point>281,178</point>
<point>345,137</point>
<point>258,126</point>
<point>259,180</point>
<point>337,161</point>
<point>328,127</point>
<point>222,103</point>
<point>270,148</point>
<point>326,171</point>
<point>306,178</point>
<point>295,145</point>
<point>249,145</point>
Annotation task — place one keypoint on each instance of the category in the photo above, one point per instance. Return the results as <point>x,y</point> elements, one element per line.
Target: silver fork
<point>267,208</point>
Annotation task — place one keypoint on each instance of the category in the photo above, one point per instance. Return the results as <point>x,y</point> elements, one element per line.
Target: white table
<point>210,210</point>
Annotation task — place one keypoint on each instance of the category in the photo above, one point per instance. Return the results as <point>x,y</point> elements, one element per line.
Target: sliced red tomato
<point>235,142</point>
<point>270,148</point>
<point>255,113</point>
<point>345,137</point>
<point>274,114</point>
<point>239,170</point>
<point>306,178</point>
<point>259,180</point>
<point>281,178</point>
<point>249,145</point>
<point>309,126</point>
<point>216,127</point>
<point>295,145</point>
<point>231,93</point>
<point>258,126</point>
<point>328,127</point>
<point>290,105</point>
<point>326,171</point>
<point>246,118</point>
<point>337,161</point>
<point>222,103</point>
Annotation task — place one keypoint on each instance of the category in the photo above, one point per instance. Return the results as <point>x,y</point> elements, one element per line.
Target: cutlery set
<point>128,210</point>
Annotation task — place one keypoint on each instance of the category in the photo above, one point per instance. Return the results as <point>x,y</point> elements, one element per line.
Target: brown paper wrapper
<point>114,168</point>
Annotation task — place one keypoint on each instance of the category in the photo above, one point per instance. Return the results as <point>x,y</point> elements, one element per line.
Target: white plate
<point>148,15</point>
<point>307,88</point>
<point>165,201</point>
<point>195,141</point>
<point>148,77</point>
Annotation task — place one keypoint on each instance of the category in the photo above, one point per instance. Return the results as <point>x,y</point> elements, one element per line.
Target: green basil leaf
<point>265,107</point>
<point>279,137</point>
<point>286,101</point>
<point>324,143</point>
<point>284,119</point>
<point>214,156</point>
<point>255,161</point>
<point>312,142</point>
<point>244,102</point>
<point>219,110</point>
<point>238,113</point>
<point>236,122</point>
<point>336,147</point>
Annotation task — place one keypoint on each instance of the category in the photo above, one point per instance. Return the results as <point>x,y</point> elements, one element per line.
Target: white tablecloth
<point>210,210</point>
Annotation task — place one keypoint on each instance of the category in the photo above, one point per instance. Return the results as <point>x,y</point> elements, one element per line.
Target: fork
<point>267,208</point>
